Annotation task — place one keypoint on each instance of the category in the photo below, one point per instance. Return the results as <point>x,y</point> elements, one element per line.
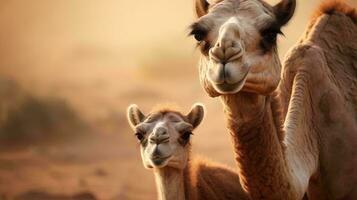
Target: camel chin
<point>228,88</point>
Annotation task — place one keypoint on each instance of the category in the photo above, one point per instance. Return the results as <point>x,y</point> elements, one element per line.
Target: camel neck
<point>170,183</point>
<point>258,146</point>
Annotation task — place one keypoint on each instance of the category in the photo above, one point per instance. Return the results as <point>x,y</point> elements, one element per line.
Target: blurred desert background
<point>69,69</point>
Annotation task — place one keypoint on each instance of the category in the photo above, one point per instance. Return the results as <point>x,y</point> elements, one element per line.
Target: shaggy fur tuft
<point>166,108</point>
<point>331,7</point>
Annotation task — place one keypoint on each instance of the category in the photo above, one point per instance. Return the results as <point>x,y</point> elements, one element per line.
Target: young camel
<point>294,130</point>
<point>164,137</point>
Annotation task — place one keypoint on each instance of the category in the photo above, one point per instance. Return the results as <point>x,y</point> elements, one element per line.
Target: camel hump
<point>330,41</point>
<point>335,33</point>
<point>334,29</point>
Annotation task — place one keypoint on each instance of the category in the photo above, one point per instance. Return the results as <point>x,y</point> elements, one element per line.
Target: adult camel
<point>294,128</point>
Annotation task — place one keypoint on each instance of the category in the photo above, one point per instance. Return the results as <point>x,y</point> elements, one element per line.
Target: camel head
<point>164,135</point>
<point>237,39</point>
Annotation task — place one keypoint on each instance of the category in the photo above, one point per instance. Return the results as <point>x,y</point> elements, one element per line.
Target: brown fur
<point>208,180</point>
<point>259,152</point>
<point>316,104</point>
<point>330,7</point>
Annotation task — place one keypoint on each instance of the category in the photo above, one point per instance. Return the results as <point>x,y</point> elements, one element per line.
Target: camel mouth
<point>160,161</point>
<point>230,88</point>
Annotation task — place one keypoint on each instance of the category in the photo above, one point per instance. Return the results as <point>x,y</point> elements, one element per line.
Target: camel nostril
<point>226,50</point>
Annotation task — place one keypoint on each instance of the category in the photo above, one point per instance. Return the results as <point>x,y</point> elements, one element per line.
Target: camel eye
<point>139,136</point>
<point>199,37</point>
<point>198,32</point>
<point>186,135</point>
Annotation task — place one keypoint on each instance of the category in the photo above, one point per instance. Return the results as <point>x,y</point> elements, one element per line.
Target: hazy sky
<point>46,34</point>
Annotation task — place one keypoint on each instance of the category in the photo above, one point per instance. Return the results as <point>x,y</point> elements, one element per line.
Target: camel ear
<point>201,7</point>
<point>196,115</point>
<point>134,115</point>
<point>284,11</point>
